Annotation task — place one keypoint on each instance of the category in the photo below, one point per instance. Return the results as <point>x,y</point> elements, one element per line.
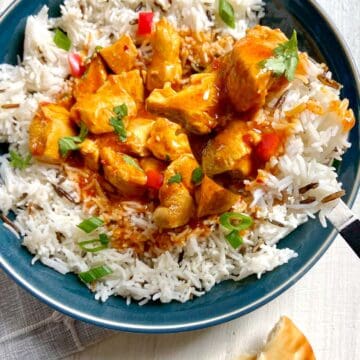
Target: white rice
<point>317,140</point>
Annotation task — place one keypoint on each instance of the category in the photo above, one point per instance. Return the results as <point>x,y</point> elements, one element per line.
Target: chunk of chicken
<point>91,153</point>
<point>95,110</point>
<point>246,83</point>
<point>138,132</point>
<point>167,140</point>
<point>165,65</point>
<point>123,172</point>
<point>120,56</point>
<point>230,150</point>
<point>193,107</point>
<point>213,199</point>
<point>93,78</point>
<point>150,163</point>
<point>132,83</point>
<point>176,203</point>
<point>50,124</point>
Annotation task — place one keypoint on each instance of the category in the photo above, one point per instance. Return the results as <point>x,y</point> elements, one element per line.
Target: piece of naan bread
<point>285,342</point>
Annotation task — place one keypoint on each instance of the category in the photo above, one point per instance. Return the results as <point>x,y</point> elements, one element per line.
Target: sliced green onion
<point>131,161</point>
<point>95,274</point>
<point>197,176</point>
<point>19,162</point>
<point>61,40</point>
<point>235,221</point>
<point>227,14</point>
<point>175,179</point>
<point>104,239</point>
<point>90,224</point>
<point>92,248</point>
<point>234,239</point>
<point>98,48</point>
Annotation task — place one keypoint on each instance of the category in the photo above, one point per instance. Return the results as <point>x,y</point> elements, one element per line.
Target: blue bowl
<point>229,299</point>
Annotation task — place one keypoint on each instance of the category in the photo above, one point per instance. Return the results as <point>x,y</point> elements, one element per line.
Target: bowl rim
<point>189,326</point>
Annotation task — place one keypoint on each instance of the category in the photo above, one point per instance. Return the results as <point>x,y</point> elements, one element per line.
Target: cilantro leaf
<point>119,128</point>
<point>117,121</point>
<point>175,179</point>
<point>19,162</point>
<point>227,13</point>
<point>285,59</point>
<point>197,176</point>
<point>70,143</point>
<point>131,161</point>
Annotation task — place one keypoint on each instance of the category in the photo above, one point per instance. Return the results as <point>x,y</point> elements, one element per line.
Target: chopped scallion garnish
<point>92,245</point>
<point>197,176</point>
<point>90,224</point>
<point>175,179</point>
<point>227,14</point>
<point>104,239</point>
<point>235,221</point>
<point>234,239</point>
<point>19,162</point>
<point>95,274</point>
<point>61,40</point>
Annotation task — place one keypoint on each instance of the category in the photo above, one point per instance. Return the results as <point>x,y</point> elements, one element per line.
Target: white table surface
<point>325,303</point>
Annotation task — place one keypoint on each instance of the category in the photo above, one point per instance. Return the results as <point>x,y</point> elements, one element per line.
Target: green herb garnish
<point>285,59</point>
<point>90,224</point>
<point>234,239</point>
<point>19,162</point>
<point>92,245</point>
<point>117,121</point>
<point>95,274</point>
<point>175,179</point>
<point>131,161</point>
<point>95,245</point>
<point>104,239</point>
<point>197,176</point>
<point>61,40</point>
<point>69,143</point>
<point>227,14</point>
<point>235,221</point>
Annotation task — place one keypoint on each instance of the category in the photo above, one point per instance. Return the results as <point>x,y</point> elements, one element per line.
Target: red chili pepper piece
<point>145,23</point>
<point>268,146</point>
<point>154,179</point>
<point>77,68</point>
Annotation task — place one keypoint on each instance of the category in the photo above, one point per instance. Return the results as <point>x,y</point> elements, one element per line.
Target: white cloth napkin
<point>31,330</point>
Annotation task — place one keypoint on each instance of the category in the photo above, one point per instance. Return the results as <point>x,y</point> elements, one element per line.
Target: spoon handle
<point>348,225</point>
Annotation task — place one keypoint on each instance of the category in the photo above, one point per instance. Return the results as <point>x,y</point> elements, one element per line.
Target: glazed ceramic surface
<point>229,299</point>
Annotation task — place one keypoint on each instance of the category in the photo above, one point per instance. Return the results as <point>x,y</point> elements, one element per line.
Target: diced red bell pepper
<point>268,146</point>
<point>77,68</point>
<point>145,23</point>
<point>154,179</point>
